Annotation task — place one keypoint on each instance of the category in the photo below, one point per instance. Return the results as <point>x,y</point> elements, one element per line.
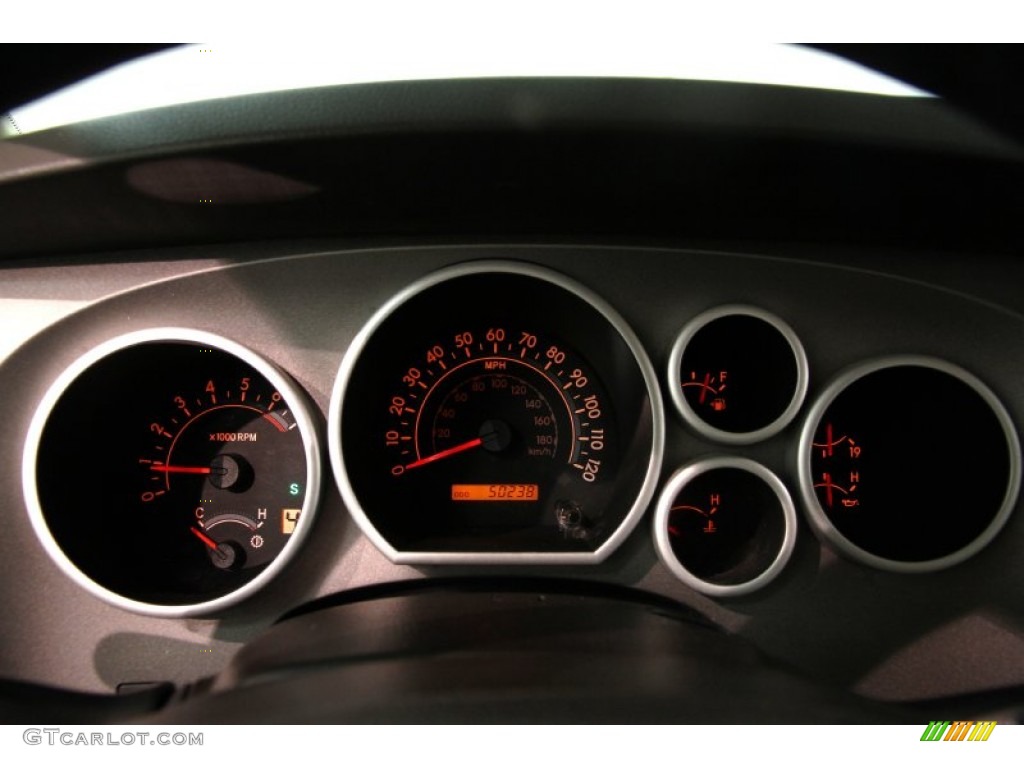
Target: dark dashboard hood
<point>979,79</point>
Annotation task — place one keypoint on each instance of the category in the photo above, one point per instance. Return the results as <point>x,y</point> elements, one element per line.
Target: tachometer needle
<point>182,470</point>
<point>466,446</point>
<point>204,538</point>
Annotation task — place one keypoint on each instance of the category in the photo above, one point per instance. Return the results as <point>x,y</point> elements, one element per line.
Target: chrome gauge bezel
<point>301,409</point>
<point>679,480</point>
<point>692,419</point>
<point>824,528</point>
<point>646,370</point>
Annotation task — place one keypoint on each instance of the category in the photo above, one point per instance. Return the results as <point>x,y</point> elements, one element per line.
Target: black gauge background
<point>934,464</point>
<point>477,301</point>
<point>89,479</point>
<point>750,521</point>
<point>763,373</point>
<point>491,519</point>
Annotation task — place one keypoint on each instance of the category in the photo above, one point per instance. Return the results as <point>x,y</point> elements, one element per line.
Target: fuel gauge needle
<point>466,446</point>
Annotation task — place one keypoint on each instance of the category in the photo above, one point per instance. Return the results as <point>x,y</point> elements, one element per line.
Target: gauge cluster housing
<point>862,228</point>
<point>302,309</point>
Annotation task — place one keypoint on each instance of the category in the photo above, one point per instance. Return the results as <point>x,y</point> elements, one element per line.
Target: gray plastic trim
<point>348,363</point>
<point>300,407</point>
<point>693,419</point>
<point>679,480</point>
<point>819,520</point>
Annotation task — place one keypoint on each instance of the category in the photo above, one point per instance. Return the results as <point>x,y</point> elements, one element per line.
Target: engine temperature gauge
<point>172,472</point>
<point>725,526</point>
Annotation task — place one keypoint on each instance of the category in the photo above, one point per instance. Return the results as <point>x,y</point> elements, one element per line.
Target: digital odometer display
<point>499,492</point>
<point>496,409</point>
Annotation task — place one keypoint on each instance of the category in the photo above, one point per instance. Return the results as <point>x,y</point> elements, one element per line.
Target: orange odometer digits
<point>495,492</point>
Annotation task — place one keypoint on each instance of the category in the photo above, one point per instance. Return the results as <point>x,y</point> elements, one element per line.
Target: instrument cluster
<point>501,413</point>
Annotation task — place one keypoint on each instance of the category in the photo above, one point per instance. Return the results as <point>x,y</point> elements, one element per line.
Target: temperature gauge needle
<point>223,555</point>
<point>204,538</point>
<point>466,446</point>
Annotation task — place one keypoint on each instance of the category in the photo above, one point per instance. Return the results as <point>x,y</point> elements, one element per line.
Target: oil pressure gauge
<point>909,464</point>
<point>172,472</point>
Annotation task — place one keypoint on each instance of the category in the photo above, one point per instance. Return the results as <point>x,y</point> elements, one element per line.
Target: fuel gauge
<point>737,374</point>
<point>725,526</point>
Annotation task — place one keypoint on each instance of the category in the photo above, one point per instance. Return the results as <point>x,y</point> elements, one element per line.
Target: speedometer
<point>496,412</point>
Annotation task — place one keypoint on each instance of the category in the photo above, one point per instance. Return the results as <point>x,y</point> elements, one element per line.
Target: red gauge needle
<point>204,538</point>
<point>705,388</point>
<point>466,446</point>
<point>182,470</point>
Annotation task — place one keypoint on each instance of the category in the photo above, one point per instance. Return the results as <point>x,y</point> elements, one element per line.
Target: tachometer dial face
<point>497,412</point>
<point>172,472</point>
<point>909,464</point>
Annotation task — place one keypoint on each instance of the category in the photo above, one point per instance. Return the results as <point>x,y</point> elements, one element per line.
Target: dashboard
<point>801,441</point>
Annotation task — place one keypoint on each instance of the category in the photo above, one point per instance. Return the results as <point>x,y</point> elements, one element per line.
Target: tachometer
<point>496,412</point>
<point>172,472</point>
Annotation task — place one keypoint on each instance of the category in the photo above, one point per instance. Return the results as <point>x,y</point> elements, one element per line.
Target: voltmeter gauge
<point>496,412</point>
<point>737,374</point>
<point>172,472</point>
<point>909,464</point>
<point>725,525</point>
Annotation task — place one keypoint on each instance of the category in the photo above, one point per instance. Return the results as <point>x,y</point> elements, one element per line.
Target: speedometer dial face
<point>172,472</point>
<point>496,412</point>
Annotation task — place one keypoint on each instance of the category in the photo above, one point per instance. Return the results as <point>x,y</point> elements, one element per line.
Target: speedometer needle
<point>466,446</point>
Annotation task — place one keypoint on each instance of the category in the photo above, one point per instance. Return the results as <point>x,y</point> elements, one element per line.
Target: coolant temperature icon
<point>708,524</point>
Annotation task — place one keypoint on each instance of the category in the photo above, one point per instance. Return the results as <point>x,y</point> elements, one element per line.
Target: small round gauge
<point>725,526</point>
<point>496,412</point>
<point>909,464</point>
<point>172,472</point>
<point>737,374</point>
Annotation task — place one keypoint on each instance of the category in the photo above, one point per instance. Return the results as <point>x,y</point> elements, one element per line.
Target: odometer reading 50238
<point>496,492</point>
<point>494,419</point>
